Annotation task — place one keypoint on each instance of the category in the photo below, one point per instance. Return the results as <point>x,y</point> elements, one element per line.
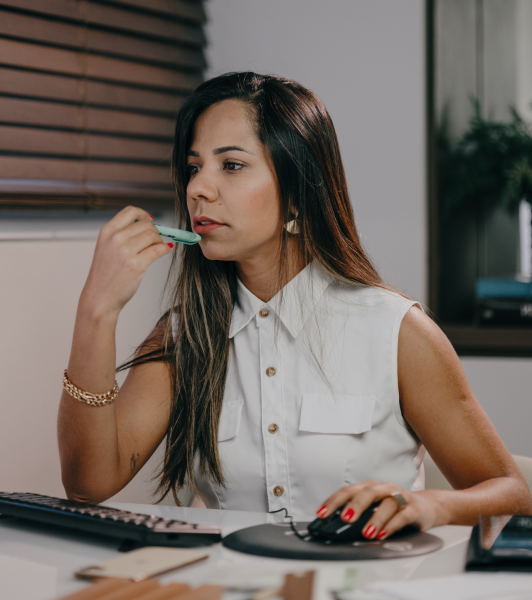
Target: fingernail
<point>151,216</point>
<point>349,514</point>
<point>321,511</point>
<point>369,531</point>
<point>170,245</point>
<point>381,534</point>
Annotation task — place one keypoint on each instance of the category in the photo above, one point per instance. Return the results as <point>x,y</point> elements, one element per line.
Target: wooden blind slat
<point>33,56</point>
<point>127,97</point>
<point>71,9</point>
<point>32,141</point>
<point>114,17</point>
<point>47,114</point>
<point>102,67</point>
<point>70,89</point>
<point>145,150</point>
<point>110,16</point>
<point>104,171</point>
<point>56,32</point>
<point>132,124</point>
<point>16,167</point>
<point>64,143</point>
<point>24,83</point>
<point>186,9</point>
<point>65,116</point>
<point>149,50</point>
<point>41,30</point>
<point>66,9</point>
<point>21,189</point>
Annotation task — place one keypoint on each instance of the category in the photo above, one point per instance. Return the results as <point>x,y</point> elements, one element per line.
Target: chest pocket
<point>230,419</point>
<point>337,414</point>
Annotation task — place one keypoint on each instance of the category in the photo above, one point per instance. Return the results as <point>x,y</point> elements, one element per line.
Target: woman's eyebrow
<point>228,148</point>
<point>221,150</point>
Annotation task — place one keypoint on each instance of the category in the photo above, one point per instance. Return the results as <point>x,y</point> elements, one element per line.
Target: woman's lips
<point>203,225</point>
<point>203,229</point>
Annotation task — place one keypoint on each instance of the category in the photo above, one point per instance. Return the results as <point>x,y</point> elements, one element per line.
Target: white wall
<point>365,59</point>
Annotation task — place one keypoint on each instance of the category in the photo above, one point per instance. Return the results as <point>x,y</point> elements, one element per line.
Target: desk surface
<point>38,564</point>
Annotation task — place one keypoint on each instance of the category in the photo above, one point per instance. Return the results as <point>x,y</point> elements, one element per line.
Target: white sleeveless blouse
<point>312,401</point>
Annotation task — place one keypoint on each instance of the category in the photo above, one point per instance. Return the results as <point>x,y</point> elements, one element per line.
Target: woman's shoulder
<point>365,297</point>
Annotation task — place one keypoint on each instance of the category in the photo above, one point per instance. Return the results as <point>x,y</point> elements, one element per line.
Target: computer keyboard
<point>133,529</point>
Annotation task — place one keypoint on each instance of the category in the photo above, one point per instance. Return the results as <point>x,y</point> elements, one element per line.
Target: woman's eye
<point>193,169</point>
<point>231,165</point>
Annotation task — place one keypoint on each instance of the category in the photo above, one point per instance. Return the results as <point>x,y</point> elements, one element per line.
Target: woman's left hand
<point>422,508</point>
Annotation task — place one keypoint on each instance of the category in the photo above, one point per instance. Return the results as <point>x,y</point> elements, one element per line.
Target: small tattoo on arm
<point>133,462</point>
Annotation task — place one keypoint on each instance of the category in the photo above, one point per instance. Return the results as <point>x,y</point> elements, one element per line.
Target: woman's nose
<point>201,187</point>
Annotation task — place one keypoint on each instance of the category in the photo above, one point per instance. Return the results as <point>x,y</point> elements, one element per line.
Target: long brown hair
<point>297,130</point>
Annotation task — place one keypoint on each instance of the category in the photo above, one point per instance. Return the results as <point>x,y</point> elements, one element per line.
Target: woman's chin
<point>214,251</point>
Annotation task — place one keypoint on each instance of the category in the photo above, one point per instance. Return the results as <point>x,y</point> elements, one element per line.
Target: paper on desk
<point>143,563</point>
<point>467,586</point>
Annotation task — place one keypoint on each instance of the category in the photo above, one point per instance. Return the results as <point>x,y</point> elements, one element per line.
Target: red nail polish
<point>151,216</point>
<point>381,534</point>
<point>170,245</point>
<point>370,530</point>
<point>349,514</point>
<point>321,511</point>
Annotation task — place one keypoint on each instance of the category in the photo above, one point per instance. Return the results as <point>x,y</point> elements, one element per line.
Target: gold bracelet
<point>92,399</point>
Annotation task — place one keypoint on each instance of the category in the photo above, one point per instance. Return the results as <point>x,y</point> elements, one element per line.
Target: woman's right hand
<point>126,247</point>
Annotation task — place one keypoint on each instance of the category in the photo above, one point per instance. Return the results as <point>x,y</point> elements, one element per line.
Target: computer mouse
<point>333,529</point>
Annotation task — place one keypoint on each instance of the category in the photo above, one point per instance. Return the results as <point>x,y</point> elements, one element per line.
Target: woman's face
<point>232,195</point>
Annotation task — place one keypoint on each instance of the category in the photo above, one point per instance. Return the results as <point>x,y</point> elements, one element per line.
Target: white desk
<point>38,564</point>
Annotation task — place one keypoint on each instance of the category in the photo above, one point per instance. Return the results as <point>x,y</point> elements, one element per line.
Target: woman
<point>286,374</point>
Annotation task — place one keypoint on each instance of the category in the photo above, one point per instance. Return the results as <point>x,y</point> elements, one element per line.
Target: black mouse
<point>333,529</point>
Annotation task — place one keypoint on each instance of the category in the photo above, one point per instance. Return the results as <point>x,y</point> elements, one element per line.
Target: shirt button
<point>270,371</point>
<point>272,428</point>
<point>264,312</point>
<point>278,490</point>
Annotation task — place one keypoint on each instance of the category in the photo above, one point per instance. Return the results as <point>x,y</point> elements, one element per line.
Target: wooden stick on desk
<point>298,587</point>
<point>204,592</point>
<point>167,592</point>
<point>149,589</point>
<point>97,590</point>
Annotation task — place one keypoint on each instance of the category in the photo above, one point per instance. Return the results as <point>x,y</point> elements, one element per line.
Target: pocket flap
<point>230,419</point>
<point>337,414</point>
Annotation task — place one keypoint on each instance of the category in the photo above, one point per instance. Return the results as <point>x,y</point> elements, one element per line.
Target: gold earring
<point>293,225</point>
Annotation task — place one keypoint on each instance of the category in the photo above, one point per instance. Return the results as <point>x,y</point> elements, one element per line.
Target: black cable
<point>292,527</point>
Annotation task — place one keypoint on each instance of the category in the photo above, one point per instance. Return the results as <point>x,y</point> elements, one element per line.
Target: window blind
<point>88,96</point>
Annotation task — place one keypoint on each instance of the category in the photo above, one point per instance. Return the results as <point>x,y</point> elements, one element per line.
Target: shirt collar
<point>249,306</point>
<point>293,305</point>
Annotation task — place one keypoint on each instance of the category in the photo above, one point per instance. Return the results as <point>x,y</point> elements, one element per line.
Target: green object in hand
<point>178,235</point>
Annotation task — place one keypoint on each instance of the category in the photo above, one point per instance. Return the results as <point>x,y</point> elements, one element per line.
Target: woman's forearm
<point>87,435</point>
<point>497,496</point>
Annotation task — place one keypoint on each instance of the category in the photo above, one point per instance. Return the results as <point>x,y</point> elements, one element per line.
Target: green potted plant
<point>491,164</point>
